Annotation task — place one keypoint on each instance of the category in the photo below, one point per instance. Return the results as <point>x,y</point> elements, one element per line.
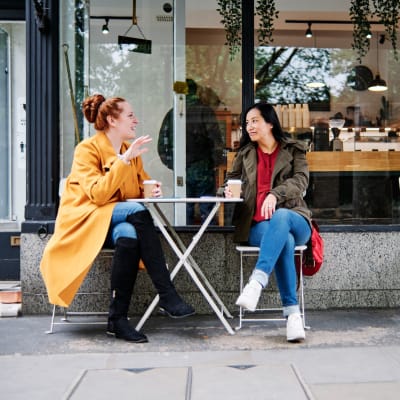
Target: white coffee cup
<point>148,187</point>
<point>235,186</point>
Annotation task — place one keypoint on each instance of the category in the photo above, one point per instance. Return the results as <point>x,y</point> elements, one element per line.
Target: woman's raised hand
<point>135,149</point>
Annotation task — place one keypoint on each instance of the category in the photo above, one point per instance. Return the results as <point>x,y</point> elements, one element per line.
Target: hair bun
<point>91,106</point>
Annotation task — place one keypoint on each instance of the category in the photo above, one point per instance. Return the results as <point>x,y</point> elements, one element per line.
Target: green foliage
<point>283,73</point>
<point>231,13</point>
<point>267,11</point>
<point>388,13</point>
<point>359,13</point>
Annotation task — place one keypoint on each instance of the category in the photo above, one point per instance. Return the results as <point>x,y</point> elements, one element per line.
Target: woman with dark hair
<point>107,170</point>
<point>273,215</point>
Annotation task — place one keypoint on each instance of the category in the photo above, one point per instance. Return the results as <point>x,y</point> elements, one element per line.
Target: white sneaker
<point>294,328</point>
<point>250,296</point>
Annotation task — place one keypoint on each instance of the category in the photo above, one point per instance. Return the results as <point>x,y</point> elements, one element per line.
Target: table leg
<point>183,260</point>
<point>178,241</point>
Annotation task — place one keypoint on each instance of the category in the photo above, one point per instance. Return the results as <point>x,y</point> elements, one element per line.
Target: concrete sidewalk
<point>347,355</point>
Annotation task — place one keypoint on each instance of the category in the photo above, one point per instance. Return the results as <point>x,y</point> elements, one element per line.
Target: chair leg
<point>302,306</point>
<point>65,312</point>
<point>240,291</point>
<point>52,320</point>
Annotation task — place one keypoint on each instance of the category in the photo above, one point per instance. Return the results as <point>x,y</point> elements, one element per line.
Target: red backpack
<point>313,257</point>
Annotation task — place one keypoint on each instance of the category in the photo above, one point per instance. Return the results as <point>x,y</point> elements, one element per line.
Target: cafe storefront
<point>310,80</point>
<point>354,170</point>
<point>355,166</point>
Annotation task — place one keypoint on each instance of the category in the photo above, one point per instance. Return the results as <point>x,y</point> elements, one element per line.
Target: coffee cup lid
<point>150,182</point>
<point>234,181</point>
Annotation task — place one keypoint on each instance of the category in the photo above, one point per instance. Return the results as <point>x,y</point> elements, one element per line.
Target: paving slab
<point>276,381</point>
<point>140,383</point>
<point>358,391</point>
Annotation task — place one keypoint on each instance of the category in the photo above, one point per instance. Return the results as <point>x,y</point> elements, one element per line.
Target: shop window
<point>4,125</point>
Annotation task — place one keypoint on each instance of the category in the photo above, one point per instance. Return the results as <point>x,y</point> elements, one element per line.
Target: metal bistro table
<point>184,253</point>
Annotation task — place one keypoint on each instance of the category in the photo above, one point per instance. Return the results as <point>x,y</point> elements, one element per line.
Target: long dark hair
<point>269,115</point>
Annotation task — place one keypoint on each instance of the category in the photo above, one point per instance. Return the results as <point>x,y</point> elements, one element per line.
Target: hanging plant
<point>388,12</point>
<point>231,13</point>
<point>359,13</point>
<point>267,11</point>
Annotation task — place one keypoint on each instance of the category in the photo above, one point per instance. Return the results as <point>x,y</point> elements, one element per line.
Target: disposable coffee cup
<point>235,186</point>
<point>148,187</point>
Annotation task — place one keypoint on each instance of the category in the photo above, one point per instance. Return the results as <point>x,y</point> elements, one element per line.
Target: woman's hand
<point>135,149</point>
<point>157,192</point>
<point>268,206</point>
<point>227,192</point>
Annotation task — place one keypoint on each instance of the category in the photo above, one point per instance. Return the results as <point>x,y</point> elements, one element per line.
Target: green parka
<point>289,183</point>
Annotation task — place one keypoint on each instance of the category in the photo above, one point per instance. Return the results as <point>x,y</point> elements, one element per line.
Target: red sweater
<point>265,166</point>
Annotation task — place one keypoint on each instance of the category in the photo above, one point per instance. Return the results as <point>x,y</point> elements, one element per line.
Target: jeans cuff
<point>260,276</point>
<point>293,309</point>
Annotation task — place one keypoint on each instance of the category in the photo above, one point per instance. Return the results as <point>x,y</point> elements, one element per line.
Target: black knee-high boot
<point>153,257</point>
<point>123,276</point>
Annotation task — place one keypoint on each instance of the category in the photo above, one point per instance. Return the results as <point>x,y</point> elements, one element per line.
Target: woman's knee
<point>281,215</point>
<point>123,209</point>
<point>124,229</point>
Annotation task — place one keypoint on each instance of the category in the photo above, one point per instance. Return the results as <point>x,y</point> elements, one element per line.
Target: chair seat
<point>254,249</point>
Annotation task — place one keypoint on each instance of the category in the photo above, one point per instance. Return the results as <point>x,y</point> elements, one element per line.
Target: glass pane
<point>74,54</point>
<point>4,126</point>
<point>12,121</point>
<point>218,97</point>
<point>144,77</point>
<point>354,165</point>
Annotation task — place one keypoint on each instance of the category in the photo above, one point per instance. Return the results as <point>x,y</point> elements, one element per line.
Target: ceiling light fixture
<point>309,31</point>
<point>378,84</point>
<point>105,29</point>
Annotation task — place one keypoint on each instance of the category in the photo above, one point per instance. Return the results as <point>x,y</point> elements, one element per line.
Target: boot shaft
<point>124,270</point>
<point>151,251</point>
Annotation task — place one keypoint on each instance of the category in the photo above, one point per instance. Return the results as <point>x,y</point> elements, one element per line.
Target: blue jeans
<point>118,226</point>
<point>277,239</point>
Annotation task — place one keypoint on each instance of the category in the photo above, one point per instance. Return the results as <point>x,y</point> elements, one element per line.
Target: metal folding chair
<point>66,318</point>
<point>252,251</point>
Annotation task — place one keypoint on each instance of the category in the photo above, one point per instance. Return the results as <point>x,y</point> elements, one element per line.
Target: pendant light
<point>309,33</point>
<point>378,84</point>
<point>105,30</point>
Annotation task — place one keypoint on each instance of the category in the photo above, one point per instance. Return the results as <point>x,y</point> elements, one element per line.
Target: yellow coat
<point>97,182</point>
